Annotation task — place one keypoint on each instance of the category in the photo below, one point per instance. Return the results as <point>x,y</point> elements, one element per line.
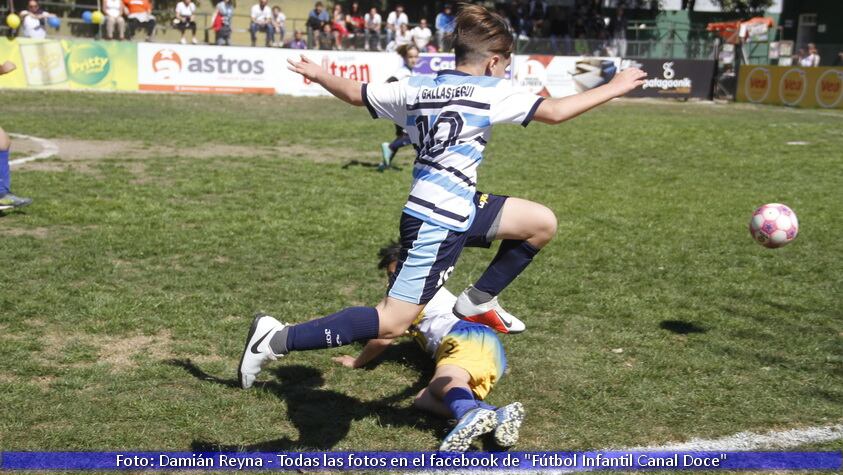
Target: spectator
<point>537,12</point>
<point>33,20</point>
<point>373,29</point>
<point>297,42</point>
<point>114,17</point>
<point>316,20</point>
<point>7,199</point>
<point>421,35</point>
<point>355,24</point>
<point>839,60</point>
<point>140,14</point>
<point>224,13</point>
<point>184,19</point>
<point>813,58</point>
<point>444,28</point>
<point>326,38</point>
<point>617,30</point>
<point>279,21</point>
<point>338,26</point>
<point>394,21</point>
<point>403,37</point>
<point>262,21</point>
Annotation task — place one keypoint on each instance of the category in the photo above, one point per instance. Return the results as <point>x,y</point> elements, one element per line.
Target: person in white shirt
<point>33,19</point>
<point>262,21</point>
<point>813,58</point>
<point>421,35</point>
<point>373,29</point>
<point>183,21</point>
<point>279,21</point>
<point>403,37</point>
<point>114,17</point>
<point>394,21</point>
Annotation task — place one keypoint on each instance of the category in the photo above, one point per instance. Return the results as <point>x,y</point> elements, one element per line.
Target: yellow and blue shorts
<point>476,349</point>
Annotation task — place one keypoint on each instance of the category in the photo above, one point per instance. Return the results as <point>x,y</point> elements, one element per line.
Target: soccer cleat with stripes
<point>257,350</point>
<point>386,156</point>
<point>490,314</point>
<point>509,420</point>
<point>472,425</point>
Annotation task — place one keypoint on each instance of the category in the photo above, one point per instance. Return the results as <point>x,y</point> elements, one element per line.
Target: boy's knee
<point>546,226</point>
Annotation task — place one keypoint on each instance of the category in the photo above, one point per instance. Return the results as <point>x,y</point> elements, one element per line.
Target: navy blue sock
<point>402,141</point>
<point>486,406</point>
<point>460,401</point>
<point>5,176</point>
<point>341,328</point>
<point>512,258</point>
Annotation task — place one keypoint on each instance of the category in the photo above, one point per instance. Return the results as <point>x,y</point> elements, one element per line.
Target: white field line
<point>48,149</point>
<point>748,441</point>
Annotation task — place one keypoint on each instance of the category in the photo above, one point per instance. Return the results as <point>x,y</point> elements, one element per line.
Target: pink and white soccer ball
<point>774,225</point>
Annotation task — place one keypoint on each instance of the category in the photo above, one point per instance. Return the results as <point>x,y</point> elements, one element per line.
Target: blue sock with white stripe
<point>512,258</point>
<point>5,176</point>
<point>460,401</point>
<point>341,328</point>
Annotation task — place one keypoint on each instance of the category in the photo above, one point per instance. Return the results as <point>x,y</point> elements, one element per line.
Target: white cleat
<point>257,350</point>
<point>473,424</point>
<point>510,418</point>
<point>490,314</point>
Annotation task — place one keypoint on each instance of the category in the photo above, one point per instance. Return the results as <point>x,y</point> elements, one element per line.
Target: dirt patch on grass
<point>118,352</point>
<point>34,232</point>
<point>83,155</point>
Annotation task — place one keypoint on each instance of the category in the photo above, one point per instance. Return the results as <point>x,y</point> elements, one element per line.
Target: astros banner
<point>791,86</point>
<point>70,64</point>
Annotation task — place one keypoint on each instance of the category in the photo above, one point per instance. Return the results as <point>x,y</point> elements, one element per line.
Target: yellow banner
<point>70,64</point>
<point>791,86</point>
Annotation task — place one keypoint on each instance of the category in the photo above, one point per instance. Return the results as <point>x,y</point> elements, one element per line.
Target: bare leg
<point>525,220</point>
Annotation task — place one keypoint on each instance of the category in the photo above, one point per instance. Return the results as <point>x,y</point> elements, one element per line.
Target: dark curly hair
<point>388,254</point>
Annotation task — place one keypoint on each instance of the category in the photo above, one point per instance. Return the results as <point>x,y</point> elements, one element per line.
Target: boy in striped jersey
<point>449,120</point>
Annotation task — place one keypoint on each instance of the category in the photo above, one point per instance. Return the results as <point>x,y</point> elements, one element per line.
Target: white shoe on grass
<point>257,350</point>
<point>472,425</point>
<point>509,419</point>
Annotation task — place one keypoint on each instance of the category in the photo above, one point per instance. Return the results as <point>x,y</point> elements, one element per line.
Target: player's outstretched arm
<point>345,89</point>
<point>554,111</point>
<point>7,67</point>
<point>372,350</point>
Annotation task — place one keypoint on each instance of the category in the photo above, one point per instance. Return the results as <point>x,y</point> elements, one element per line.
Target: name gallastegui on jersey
<point>449,118</point>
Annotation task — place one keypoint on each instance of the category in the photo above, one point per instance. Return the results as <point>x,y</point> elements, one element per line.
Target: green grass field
<point>128,286</point>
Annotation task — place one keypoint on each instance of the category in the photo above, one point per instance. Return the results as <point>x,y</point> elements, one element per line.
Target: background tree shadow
<point>322,417</point>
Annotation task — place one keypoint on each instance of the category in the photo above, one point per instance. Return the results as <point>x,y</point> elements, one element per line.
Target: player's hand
<point>306,67</point>
<point>345,360</point>
<point>7,67</point>
<point>627,80</point>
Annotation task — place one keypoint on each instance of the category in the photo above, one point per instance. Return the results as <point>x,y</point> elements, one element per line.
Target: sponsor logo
<point>87,64</point>
<point>444,275</point>
<point>433,64</point>
<point>354,71</point>
<point>668,81</point>
<point>484,198</point>
<point>829,88</point>
<point>166,63</point>
<point>532,76</point>
<point>757,84</point>
<point>792,87</point>
<point>328,337</point>
<point>255,346</point>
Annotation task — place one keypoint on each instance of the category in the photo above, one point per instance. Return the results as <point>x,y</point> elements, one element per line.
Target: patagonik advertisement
<point>674,78</point>
<point>70,64</point>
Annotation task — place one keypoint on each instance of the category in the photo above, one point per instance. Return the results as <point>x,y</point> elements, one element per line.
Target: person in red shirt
<point>140,14</point>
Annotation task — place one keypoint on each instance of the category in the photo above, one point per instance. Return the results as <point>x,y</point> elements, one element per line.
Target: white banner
<point>230,70</point>
<point>560,76</point>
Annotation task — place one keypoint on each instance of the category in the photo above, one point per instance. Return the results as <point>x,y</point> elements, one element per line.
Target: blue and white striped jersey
<point>449,119</point>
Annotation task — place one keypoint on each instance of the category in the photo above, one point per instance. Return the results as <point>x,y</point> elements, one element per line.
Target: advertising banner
<point>791,86</point>
<point>233,70</point>
<point>70,64</point>
<point>560,76</point>
<point>674,78</point>
<point>431,63</point>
